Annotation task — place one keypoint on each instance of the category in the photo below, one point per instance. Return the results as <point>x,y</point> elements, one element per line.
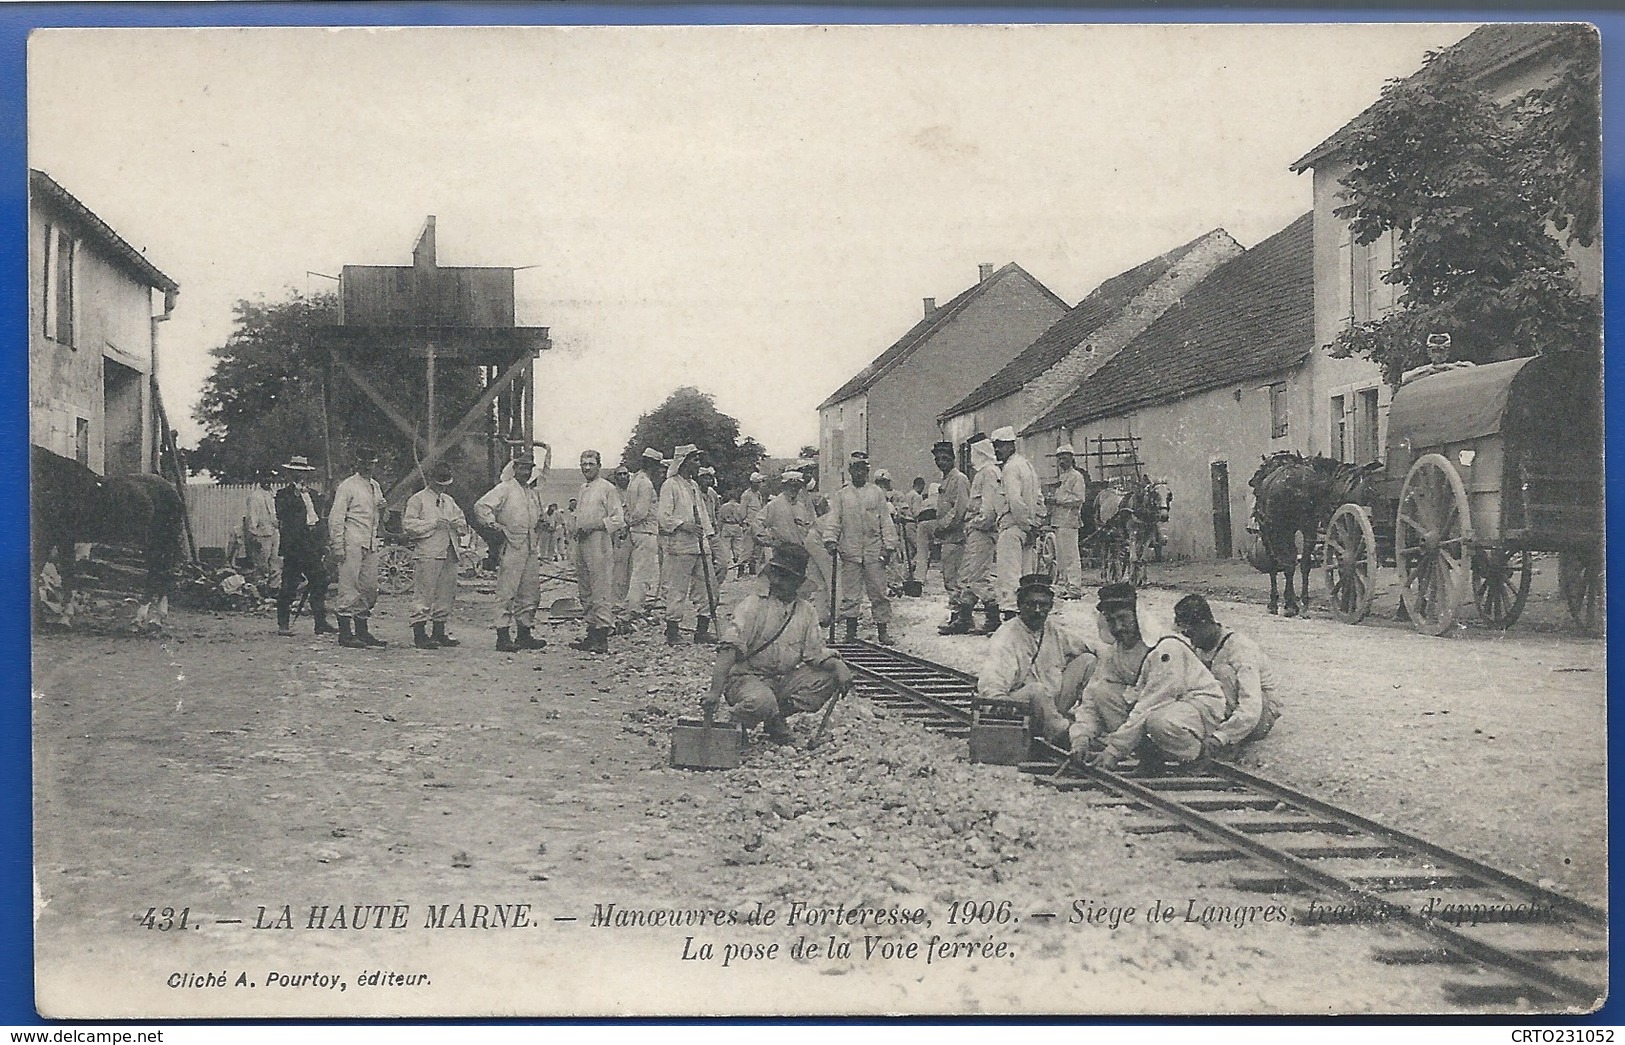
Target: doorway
<point>1219,472</point>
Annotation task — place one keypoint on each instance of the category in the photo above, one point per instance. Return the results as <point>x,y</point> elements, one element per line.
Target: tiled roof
<point>42,185</point>
<point>1253,316</point>
<point>1072,329</point>
<point>1482,52</point>
<point>922,331</point>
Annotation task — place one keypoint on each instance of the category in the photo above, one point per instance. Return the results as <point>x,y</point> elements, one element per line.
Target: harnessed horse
<point>1122,518</point>
<point>73,505</point>
<point>1294,495</point>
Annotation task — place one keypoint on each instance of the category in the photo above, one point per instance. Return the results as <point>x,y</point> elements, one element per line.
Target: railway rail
<point>1526,943</point>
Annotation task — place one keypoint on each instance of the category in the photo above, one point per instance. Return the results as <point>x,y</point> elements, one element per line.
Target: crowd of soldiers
<point>657,544</point>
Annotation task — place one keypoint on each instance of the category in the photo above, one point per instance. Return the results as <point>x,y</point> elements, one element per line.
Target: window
<point>1345,277</point>
<point>1362,294</point>
<point>1278,416</point>
<point>1339,424</point>
<point>1367,424</point>
<point>58,279</point>
<point>81,441</point>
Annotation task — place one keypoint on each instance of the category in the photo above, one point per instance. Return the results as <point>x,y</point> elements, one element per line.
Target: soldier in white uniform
<point>353,523</point>
<point>1069,500</point>
<point>433,522</point>
<point>859,529</point>
<point>1023,502</point>
<point>597,516</point>
<point>687,529</point>
<point>513,508</point>
<point>643,591</point>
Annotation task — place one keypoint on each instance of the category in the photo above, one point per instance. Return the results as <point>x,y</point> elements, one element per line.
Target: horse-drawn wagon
<point>1485,466</point>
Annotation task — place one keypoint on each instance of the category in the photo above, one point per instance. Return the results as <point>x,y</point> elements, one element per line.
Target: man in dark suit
<point>302,524</point>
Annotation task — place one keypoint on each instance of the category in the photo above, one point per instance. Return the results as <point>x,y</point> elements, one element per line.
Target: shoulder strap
<point>1157,645</point>
<point>788,617</point>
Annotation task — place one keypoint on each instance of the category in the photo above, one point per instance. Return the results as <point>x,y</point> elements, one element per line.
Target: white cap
<point>756,477</point>
<point>881,473</point>
<point>792,474</point>
<point>1064,448</point>
<point>1004,435</point>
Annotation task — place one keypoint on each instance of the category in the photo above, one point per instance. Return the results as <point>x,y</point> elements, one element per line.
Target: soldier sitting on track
<point>772,661</point>
<point>1160,701</point>
<point>1032,660</point>
<point>1242,669</point>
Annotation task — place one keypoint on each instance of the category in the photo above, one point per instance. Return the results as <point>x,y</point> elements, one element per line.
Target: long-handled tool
<point>834,572</point>
<point>707,565</point>
<point>823,724</point>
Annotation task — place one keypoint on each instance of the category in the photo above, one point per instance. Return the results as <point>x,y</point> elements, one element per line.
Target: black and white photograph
<point>817,520</point>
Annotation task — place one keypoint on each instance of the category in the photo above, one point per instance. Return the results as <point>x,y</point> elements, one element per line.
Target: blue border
<point>16,858</point>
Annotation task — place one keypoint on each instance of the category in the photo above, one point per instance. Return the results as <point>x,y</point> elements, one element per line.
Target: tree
<point>271,395</point>
<point>1478,194</point>
<point>691,416</point>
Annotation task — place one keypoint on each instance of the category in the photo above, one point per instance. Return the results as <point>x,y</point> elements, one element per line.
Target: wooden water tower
<point>429,317</point>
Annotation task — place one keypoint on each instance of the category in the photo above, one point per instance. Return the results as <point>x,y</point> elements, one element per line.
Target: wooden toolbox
<point>700,743</point>
<point>1000,732</point>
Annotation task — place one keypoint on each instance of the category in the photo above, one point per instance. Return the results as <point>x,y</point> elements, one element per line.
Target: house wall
<point>1179,444</point>
<point>842,428</point>
<point>905,403</point>
<point>112,320</point>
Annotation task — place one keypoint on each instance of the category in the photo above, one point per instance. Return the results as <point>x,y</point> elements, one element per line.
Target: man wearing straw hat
<point>643,591</point>
<point>300,523</point>
<point>598,515</point>
<point>685,525</point>
<point>433,522</point>
<point>772,661</point>
<point>353,525</point>
<point>1070,497</point>
<point>514,509</point>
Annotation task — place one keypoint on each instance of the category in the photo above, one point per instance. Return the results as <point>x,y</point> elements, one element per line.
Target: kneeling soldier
<point>772,661</point>
<point>1033,661</point>
<point>1243,671</point>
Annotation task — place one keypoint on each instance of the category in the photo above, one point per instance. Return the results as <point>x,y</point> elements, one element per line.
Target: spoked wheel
<point>1431,536</point>
<point>395,570</point>
<point>1580,579</point>
<point>1349,558</point>
<point>1045,560</point>
<point>1501,584</point>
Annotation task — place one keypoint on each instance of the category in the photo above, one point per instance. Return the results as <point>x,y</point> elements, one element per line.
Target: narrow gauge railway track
<point>1527,942</point>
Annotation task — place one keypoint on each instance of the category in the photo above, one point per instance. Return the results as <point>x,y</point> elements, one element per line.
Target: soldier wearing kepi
<point>1023,499</point>
<point>1245,673</point>
<point>772,662</point>
<point>598,514</point>
<point>688,533</point>
<point>641,519</point>
<point>1035,662</point>
<point>953,500</point>
<point>1159,701</point>
<point>433,522</point>
<point>753,503</point>
<point>300,523</point>
<point>513,509</point>
<point>859,529</point>
<point>352,530</point>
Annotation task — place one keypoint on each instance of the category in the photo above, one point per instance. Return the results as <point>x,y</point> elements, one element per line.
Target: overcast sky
<point>755,211</point>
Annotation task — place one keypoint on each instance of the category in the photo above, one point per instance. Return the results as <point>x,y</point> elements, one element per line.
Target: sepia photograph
<point>817,520</point>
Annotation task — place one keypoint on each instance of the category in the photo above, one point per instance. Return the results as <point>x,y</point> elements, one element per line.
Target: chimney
<point>930,305</point>
<point>984,272</point>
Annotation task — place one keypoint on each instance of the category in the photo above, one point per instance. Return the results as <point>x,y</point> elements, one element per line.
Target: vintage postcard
<point>817,520</point>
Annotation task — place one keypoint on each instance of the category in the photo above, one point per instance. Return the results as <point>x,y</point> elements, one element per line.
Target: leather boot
<point>438,634</point>
<point>420,636</point>
<point>595,641</point>
<point>505,641</point>
<point>990,618</point>
<point>882,636</point>
<point>702,631</point>
<point>674,633</point>
<point>322,626</point>
<point>851,629</point>
<point>364,633</point>
<point>282,617</point>
<point>528,641</point>
<point>778,730</point>
<point>347,636</point>
<point>960,623</point>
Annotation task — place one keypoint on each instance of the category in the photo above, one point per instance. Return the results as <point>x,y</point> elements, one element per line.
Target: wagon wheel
<point>1349,557</point>
<point>1045,560</point>
<point>1579,578</point>
<point>1431,535</point>
<point>395,570</point>
<point>1501,584</point>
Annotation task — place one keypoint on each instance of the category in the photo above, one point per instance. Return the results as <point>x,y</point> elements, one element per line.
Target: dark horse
<point>1292,496</point>
<point>73,505</point>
